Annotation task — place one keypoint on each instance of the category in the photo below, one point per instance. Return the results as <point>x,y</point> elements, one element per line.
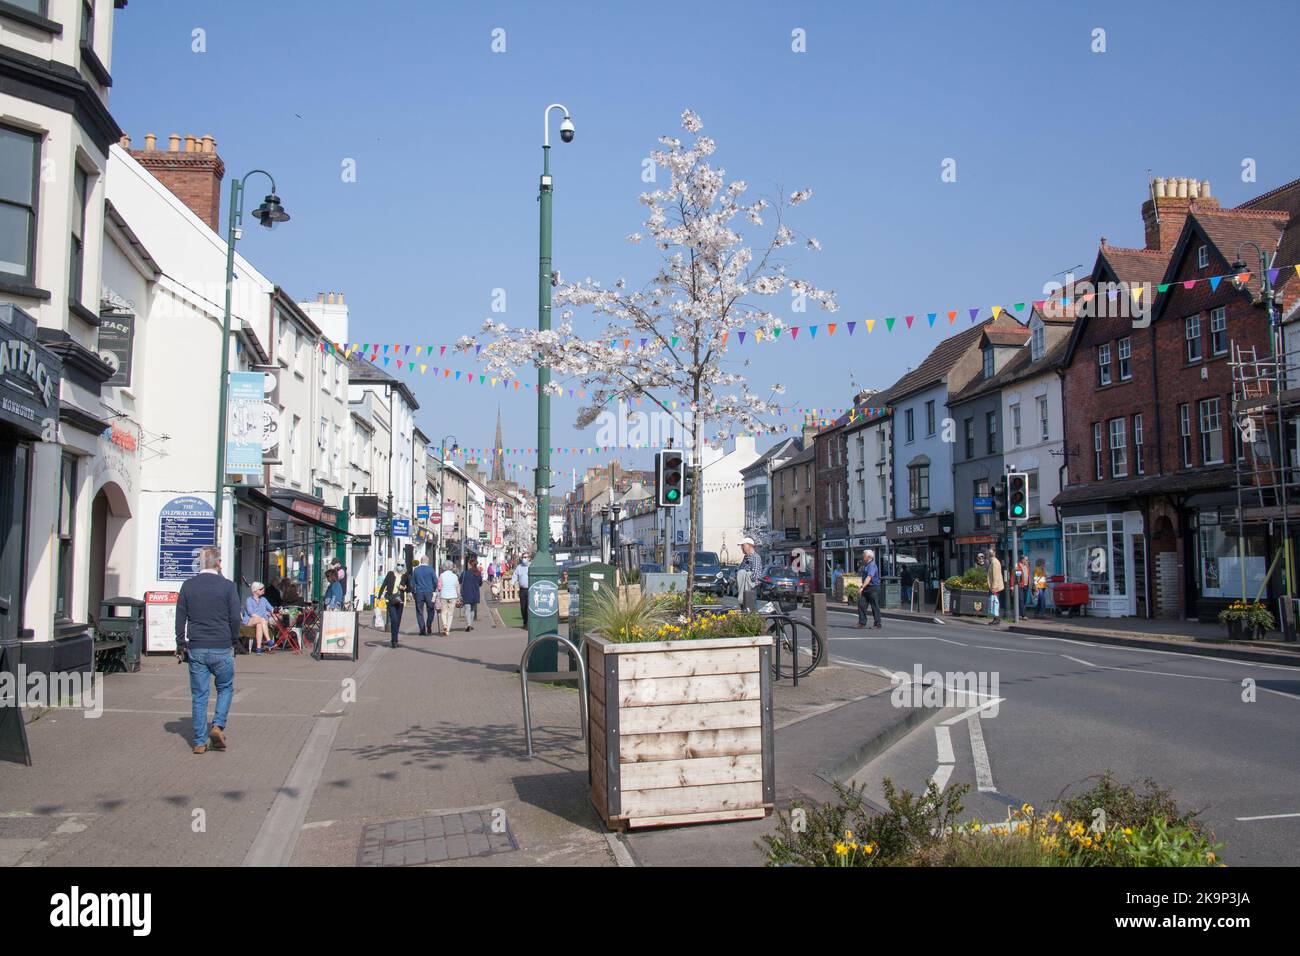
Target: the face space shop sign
<point>30,376</point>
<point>913,528</point>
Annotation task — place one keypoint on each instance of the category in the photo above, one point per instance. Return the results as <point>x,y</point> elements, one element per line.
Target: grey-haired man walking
<point>207,630</point>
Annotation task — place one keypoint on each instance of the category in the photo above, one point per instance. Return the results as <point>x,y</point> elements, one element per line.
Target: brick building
<point>1149,510</point>
<point>793,499</point>
<point>831,499</point>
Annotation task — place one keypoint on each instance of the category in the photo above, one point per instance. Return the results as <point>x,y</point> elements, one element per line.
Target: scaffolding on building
<point>1265,413</point>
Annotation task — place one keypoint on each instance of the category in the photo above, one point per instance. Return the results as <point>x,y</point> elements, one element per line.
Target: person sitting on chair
<point>257,614</point>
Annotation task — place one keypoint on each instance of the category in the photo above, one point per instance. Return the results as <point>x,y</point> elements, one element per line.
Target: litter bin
<point>122,618</point>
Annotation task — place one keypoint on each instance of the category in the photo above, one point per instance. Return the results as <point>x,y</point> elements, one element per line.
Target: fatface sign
<point>29,374</point>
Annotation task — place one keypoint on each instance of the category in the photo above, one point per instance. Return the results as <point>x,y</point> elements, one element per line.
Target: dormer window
<point>1037,342</point>
<point>1203,257</point>
<point>988,361</point>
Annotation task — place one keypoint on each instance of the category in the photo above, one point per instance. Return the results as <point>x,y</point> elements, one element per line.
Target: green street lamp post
<point>543,575</point>
<point>268,214</point>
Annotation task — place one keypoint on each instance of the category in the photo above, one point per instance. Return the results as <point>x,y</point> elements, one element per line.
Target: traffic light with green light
<point>1017,496</point>
<point>669,468</point>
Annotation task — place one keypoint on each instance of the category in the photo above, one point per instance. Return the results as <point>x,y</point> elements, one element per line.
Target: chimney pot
<point>190,144</point>
<point>1205,189</point>
<point>209,144</point>
<point>150,141</point>
<point>320,296</point>
<point>174,143</point>
<point>1194,189</point>
<point>329,299</point>
<point>1160,187</point>
<point>340,298</point>
<point>125,141</point>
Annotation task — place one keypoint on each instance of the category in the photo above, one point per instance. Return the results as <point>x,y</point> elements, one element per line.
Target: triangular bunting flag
<point>1272,276</point>
<point>889,323</point>
<point>931,316</point>
<point>871,324</point>
<point>1162,287</point>
<point>851,325</point>
<point>1214,282</point>
<point>830,328</point>
<point>997,310</point>
<point>423,369</point>
<point>974,314</point>
<point>741,336</point>
<point>1189,284</point>
<point>794,332</point>
<point>908,319</point>
<point>952,317</point>
<point>812,330</point>
<point>458,376</point>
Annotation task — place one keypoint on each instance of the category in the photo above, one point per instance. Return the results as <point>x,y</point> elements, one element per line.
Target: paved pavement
<point>1218,731</point>
<point>407,756</point>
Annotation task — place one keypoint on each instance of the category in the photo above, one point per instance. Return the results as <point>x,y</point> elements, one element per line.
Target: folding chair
<point>285,639</point>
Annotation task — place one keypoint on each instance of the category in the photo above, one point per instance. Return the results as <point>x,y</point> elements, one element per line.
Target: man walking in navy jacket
<point>207,629</point>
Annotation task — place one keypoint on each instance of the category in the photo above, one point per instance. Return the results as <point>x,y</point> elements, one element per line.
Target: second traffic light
<point>1017,496</point>
<point>1000,500</point>
<point>669,471</point>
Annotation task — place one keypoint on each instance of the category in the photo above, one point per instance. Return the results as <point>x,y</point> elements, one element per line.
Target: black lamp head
<point>270,212</point>
<point>1238,268</point>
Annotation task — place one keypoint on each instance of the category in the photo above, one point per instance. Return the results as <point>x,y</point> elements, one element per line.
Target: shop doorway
<point>109,513</point>
<point>15,479</point>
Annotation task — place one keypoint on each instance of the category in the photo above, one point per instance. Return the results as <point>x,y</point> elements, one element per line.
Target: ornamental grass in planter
<point>680,713</point>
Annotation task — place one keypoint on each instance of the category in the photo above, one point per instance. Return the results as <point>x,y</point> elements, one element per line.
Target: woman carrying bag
<point>394,591</point>
<point>470,582</point>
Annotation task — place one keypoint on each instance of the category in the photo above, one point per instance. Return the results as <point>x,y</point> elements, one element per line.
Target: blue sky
<point>1052,144</point>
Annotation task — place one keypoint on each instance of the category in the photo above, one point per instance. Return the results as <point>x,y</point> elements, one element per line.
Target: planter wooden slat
<point>711,716</point>
<point>696,743</point>
<point>739,660</point>
<point>686,690</point>
<point>700,771</point>
<point>681,731</point>
<point>725,796</point>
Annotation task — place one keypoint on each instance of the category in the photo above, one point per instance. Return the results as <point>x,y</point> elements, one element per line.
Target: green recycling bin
<point>122,618</point>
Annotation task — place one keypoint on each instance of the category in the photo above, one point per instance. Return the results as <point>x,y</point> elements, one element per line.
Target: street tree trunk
<point>697,488</point>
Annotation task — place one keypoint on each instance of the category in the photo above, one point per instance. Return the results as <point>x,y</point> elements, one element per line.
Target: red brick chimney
<point>192,173</point>
<point>1164,213</point>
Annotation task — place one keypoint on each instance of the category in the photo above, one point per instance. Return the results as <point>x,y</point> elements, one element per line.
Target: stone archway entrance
<point>109,513</point>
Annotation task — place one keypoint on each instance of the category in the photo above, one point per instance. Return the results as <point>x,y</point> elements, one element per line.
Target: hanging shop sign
<point>116,338</point>
<point>29,373</point>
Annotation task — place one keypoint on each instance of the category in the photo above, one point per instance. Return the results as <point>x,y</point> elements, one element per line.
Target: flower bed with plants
<point>679,710</point>
<point>1110,824</point>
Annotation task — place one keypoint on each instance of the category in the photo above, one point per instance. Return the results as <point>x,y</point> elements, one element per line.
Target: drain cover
<point>437,839</point>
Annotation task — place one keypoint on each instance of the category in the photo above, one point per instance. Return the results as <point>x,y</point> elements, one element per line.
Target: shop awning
<point>264,501</point>
<point>1184,482</point>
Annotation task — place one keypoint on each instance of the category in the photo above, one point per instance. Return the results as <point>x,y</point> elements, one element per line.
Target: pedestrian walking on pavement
<point>869,596</point>
<point>520,577</point>
<point>207,630</point>
<point>394,591</point>
<point>1040,589</point>
<point>423,582</point>
<point>1024,579</point>
<point>448,597</point>
<point>996,586</point>
<point>749,572</point>
<point>470,582</point>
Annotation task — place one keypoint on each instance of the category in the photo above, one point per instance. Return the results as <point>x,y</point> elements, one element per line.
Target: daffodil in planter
<point>680,713</point>
<point>1246,620</point>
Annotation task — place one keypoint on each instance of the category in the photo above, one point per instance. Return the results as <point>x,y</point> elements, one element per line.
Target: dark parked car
<point>780,583</point>
<point>708,571</point>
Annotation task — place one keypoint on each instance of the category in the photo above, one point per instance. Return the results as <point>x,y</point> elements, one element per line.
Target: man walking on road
<point>520,577</point>
<point>870,593</point>
<point>996,586</point>
<point>207,630</point>
<point>423,582</point>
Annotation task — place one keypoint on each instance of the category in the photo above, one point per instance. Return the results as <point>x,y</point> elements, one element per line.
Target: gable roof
<point>1145,267</point>
<point>1020,367</point>
<point>806,455</point>
<point>935,366</point>
<point>364,372</point>
<point>776,451</point>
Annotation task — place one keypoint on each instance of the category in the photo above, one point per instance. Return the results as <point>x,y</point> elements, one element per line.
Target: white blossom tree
<point>667,341</point>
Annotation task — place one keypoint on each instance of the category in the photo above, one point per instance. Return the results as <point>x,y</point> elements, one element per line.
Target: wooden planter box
<point>680,731</point>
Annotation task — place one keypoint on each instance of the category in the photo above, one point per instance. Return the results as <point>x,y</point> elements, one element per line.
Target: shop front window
<point>67,518</point>
<point>1223,558</point>
<point>1094,552</point>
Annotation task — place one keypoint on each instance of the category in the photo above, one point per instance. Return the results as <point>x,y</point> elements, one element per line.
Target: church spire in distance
<point>498,454</point>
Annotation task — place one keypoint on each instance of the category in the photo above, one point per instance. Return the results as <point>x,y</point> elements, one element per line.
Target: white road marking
<point>983,772</point>
<point>974,710</point>
<point>1270,816</point>
<point>1152,650</point>
<point>1013,650</point>
<point>941,775</point>
<point>943,741</point>
<point>1080,661</point>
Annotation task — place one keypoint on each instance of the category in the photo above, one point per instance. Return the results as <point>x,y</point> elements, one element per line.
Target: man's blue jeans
<point>208,664</point>
<point>424,610</point>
